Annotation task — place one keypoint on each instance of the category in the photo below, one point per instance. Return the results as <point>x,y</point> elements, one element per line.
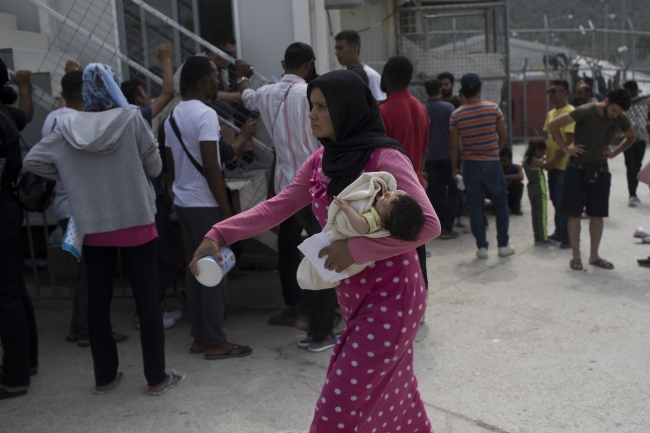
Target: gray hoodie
<point>103,160</point>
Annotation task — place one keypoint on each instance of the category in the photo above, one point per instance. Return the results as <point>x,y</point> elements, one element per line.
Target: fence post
<point>508,77</point>
<point>524,94</point>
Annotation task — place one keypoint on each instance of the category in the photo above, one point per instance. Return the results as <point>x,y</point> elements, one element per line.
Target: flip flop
<point>4,394</point>
<point>118,378</point>
<point>170,384</point>
<point>228,353</point>
<point>576,264</point>
<point>602,263</point>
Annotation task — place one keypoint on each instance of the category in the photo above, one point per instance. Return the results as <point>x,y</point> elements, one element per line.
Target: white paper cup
<point>210,272</point>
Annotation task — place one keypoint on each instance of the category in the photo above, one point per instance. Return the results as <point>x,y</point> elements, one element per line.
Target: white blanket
<point>360,195</point>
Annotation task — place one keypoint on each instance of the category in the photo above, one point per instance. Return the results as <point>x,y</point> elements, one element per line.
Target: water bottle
<point>210,272</point>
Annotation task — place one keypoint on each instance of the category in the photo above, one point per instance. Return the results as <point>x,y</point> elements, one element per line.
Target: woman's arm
<point>40,159</point>
<point>267,214</point>
<point>364,249</point>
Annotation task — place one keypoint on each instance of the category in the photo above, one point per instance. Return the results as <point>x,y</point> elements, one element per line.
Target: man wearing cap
<point>284,109</point>
<point>481,128</point>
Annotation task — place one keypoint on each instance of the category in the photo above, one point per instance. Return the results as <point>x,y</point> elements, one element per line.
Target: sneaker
<point>462,222</point>
<point>448,234</point>
<point>565,245</point>
<point>304,343</point>
<point>482,253</point>
<point>554,237</point>
<point>633,201</point>
<point>641,233</point>
<point>646,240</point>
<point>546,243</point>
<point>176,314</point>
<point>168,320</point>
<point>506,251</point>
<point>517,212</point>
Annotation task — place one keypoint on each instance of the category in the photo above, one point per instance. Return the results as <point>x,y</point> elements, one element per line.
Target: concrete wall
<point>266,30</point>
<point>25,12</point>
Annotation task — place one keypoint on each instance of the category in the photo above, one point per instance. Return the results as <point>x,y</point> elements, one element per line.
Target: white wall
<point>266,29</point>
<point>25,12</point>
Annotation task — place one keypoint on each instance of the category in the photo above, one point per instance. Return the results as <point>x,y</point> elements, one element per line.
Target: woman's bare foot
<point>163,384</point>
<point>109,385</point>
<point>303,323</point>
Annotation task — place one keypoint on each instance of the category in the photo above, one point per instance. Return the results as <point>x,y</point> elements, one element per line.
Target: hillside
<point>527,14</point>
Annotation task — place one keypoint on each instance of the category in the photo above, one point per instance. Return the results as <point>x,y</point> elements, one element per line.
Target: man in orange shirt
<point>405,118</point>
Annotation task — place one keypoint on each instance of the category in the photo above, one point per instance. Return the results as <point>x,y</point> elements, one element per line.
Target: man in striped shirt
<point>481,128</point>
<point>284,109</point>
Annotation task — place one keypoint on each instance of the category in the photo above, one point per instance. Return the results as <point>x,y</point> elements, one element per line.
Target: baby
<point>371,206</point>
<point>396,211</point>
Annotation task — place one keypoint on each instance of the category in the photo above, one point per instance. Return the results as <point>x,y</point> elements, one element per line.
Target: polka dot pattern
<point>370,385</point>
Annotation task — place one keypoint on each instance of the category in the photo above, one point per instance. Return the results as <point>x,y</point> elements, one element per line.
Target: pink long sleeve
<point>267,214</point>
<point>366,249</point>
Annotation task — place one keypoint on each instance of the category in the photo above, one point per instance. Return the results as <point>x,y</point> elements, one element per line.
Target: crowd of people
<point>109,144</point>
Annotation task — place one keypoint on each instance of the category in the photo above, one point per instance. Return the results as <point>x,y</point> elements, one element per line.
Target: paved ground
<point>512,345</point>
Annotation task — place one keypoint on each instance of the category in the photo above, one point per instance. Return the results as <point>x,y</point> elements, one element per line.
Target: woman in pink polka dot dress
<point>370,385</point>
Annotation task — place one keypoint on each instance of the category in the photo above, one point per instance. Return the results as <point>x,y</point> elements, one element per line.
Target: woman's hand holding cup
<point>207,248</point>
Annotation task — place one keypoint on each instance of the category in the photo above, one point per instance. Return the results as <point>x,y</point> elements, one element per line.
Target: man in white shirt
<point>347,49</point>
<point>200,198</point>
<point>284,109</point>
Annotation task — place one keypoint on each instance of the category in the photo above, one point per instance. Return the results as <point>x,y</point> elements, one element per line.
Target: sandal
<point>602,263</point>
<point>576,264</point>
<point>118,378</point>
<point>4,394</point>
<point>170,384</point>
<point>229,354</point>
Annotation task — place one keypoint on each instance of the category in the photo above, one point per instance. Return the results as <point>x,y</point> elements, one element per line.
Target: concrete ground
<point>516,345</point>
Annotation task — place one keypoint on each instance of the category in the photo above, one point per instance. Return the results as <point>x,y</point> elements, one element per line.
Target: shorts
<point>578,197</point>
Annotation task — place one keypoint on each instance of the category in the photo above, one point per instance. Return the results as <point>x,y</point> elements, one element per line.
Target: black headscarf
<point>359,131</point>
<point>357,124</point>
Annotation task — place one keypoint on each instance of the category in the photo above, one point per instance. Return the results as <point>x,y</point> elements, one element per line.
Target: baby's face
<point>384,203</point>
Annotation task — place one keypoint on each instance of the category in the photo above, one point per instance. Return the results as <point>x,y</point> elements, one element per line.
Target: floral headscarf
<point>101,88</point>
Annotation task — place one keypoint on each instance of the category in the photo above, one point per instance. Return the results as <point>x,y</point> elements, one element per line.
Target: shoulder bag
<point>32,191</point>
<point>238,247</point>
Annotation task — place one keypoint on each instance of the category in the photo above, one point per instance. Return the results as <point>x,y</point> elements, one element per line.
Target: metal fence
<point>125,34</point>
<point>458,38</point>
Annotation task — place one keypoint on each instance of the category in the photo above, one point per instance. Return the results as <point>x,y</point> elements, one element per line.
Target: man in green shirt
<point>587,179</point>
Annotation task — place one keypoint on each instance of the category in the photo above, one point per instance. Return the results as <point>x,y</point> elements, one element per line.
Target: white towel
<point>360,195</point>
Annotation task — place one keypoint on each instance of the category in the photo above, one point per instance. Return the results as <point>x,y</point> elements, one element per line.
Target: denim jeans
<point>556,187</point>
<point>488,176</point>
